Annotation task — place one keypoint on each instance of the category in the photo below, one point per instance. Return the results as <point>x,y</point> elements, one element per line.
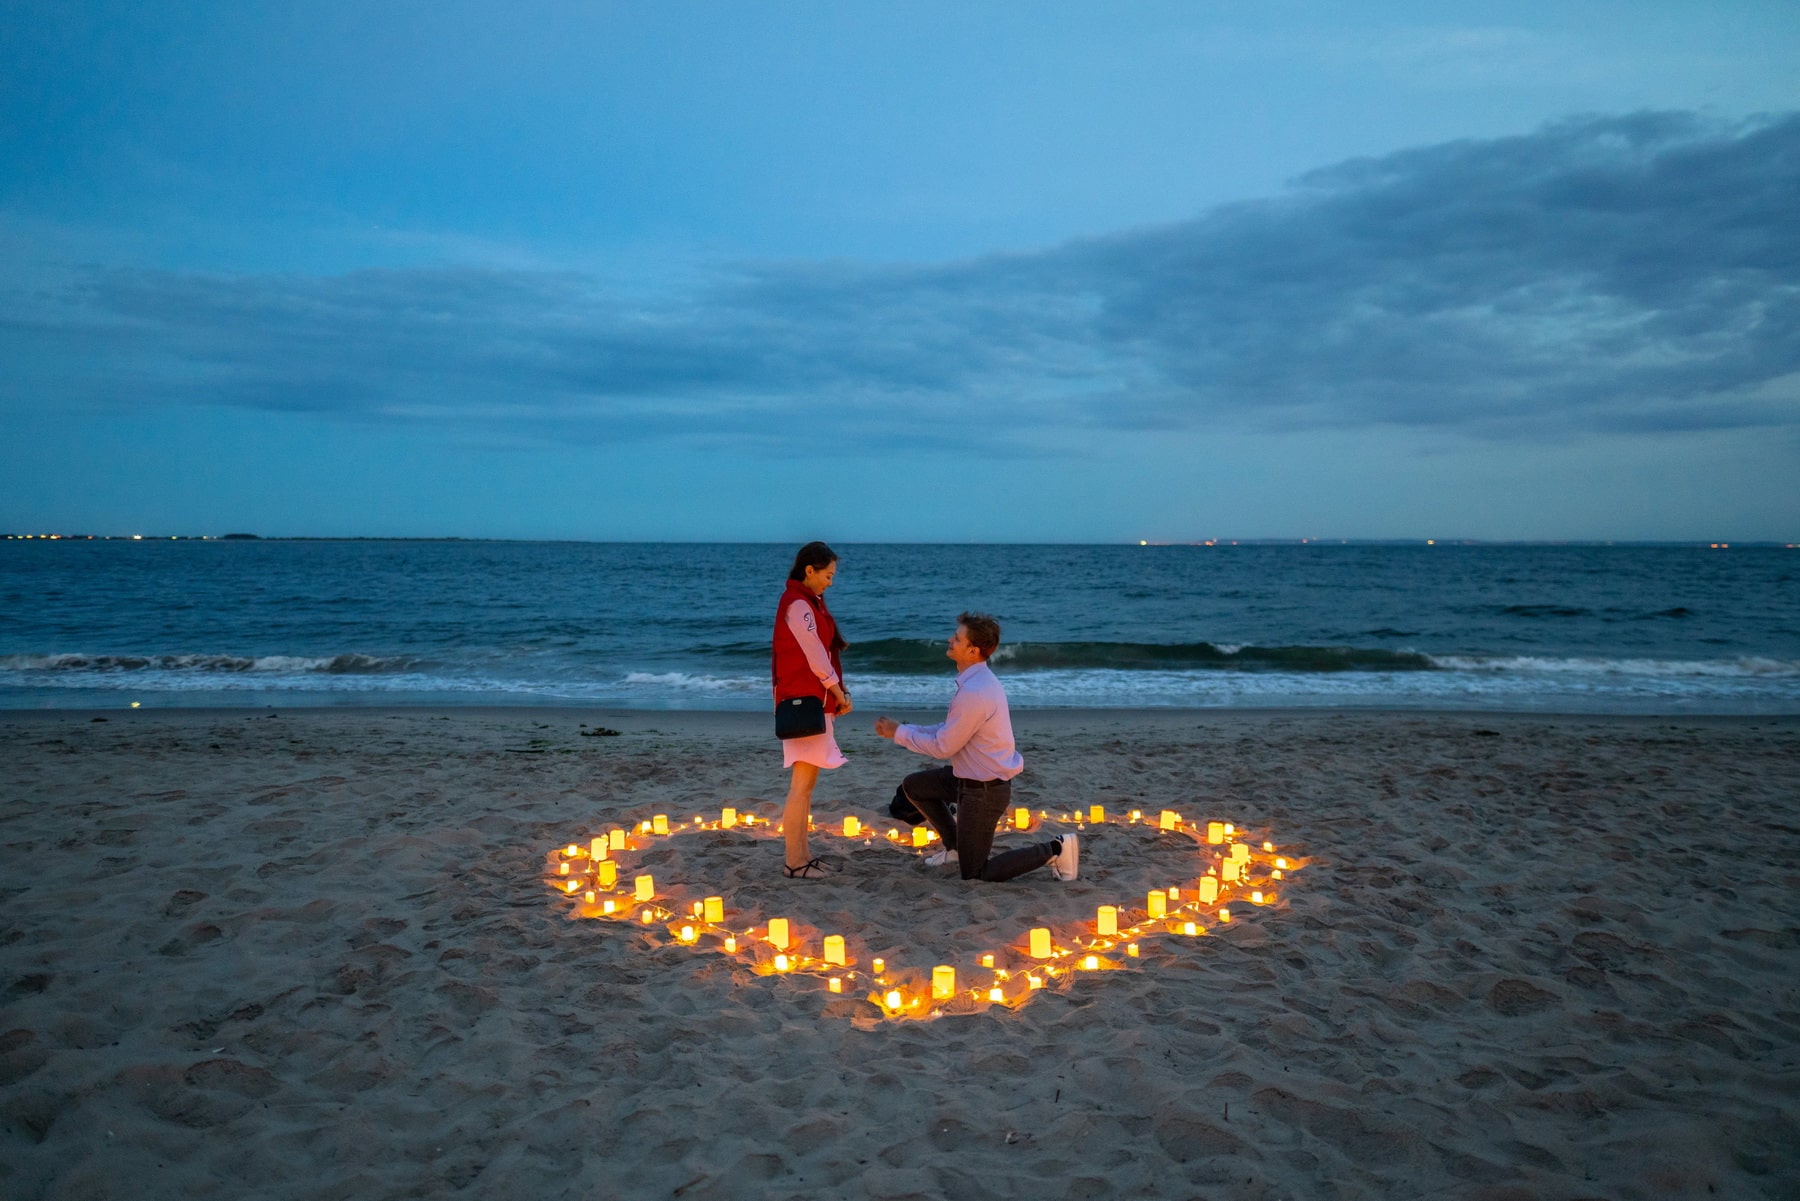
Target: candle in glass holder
<point>1189,928</point>
<point>597,847</point>
<point>893,998</point>
<point>1224,915</point>
<point>727,817</point>
<point>687,934</point>
<point>1230,829</point>
<point>660,823</point>
<point>1040,942</point>
<point>834,949</point>
<point>1209,889</point>
<point>1096,814</point>
<point>615,839</point>
<point>781,963</point>
<point>1282,863</point>
<point>778,932</point>
<point>878,966</point>
<point>1169,820</point>
<point>1106,923</point>
<point>1021,817</point>
<point>714,910</point>
<point>1215,833</point>
<point>852,827</point>
<point>835,984</point>
<point>943,982</point>
<point>731,942</point>
<point>1157,903</point>
<point>1256,898</point>
<point>644,888</point>
<point>647,916</point>
<point>606,873</point>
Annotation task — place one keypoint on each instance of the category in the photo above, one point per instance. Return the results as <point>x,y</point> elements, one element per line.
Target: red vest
<point>793,675</point>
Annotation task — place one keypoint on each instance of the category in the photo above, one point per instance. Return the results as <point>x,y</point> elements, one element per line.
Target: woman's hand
<point>843,699</point>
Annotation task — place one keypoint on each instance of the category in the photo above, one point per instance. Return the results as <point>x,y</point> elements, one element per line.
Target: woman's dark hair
<point>815,555</point>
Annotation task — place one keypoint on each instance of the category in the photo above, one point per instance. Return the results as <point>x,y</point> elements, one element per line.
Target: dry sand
<point>312,954</point>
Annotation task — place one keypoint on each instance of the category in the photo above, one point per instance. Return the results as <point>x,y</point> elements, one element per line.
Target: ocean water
<point>1623,629</point>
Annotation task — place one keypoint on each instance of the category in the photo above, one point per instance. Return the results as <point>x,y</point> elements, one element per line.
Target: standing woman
<point>808,679</point>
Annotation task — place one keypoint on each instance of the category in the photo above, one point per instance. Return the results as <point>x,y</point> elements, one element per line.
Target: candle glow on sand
<point>586,873</point>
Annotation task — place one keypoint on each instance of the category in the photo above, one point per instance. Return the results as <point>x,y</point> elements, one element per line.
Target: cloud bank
<point>1609,274</point>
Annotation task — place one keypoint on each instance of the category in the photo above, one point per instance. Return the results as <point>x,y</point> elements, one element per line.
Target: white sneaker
<point>940,858</point>
<point>1067,865</point>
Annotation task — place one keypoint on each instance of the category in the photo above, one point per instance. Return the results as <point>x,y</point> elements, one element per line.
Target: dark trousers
<point>980,807</point>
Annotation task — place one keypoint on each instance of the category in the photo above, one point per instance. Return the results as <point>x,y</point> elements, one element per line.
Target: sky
<point>1048,272</point>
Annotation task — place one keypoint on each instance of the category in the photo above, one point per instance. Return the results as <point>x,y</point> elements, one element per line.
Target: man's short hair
<point>983,632</point>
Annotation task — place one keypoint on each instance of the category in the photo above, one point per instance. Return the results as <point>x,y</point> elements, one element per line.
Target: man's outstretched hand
<point>885,726</point>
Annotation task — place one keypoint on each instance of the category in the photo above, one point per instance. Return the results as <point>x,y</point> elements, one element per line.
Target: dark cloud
<point>1636,273</point>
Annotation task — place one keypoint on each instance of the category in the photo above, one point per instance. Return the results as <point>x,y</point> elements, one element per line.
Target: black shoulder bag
<point>800,717</point>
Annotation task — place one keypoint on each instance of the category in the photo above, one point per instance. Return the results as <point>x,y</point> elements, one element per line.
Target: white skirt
<point>820,750</point>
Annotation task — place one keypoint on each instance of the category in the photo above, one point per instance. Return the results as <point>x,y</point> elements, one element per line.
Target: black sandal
<point>812,869</point>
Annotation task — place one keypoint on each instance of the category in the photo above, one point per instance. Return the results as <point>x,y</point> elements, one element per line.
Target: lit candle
<point>1158,903</point>
<point>727,817</point>
<point>1276,873</point>
<point>572,850</point>
<point>647,916</point>
<point>1189,928</point>
<point>835,984</point>
<point>572,886</point>
<point>894,998</point>
<point>1021,817</point>
<point>1256,898</point>
<point>644,887</point>
<point>1215,833</point>
<point>607,873</point>
<point>1240,852</point>
<point>597,848</point>
<point>852,827</point>
<point>1091,962</point>
<point>879,966</point>
<point>615,839</point>
<point>1174,896</point>
<point>1282,863</point>
<point>1230,829</point>
<point>943,982</point>
<point>562,869</point>
<point>608,905</point>
<point>1224,915</point>
<point>1268,846</point>
<point>1040,942</point>
<point>920,835</point>
<point>1107,921</point>
<point>1096,814</point>
<point>698,909</point>
<point>589,896</point>
<point>687,934</point>
<point>995,995</point>
<point>781,963</point>
<point>1137,815</point>
<point>1035,982</point>
<point>660,823</point>
<point>1131,949</point>
<point>987,960</point>
<point>1209,889</point>
<point>643,827</point>
<point>1229,870</point>
<point>834,949</point>
<point>1168,820</point>
<point>714,910</point>
<point>778,932</point>
<point>730,939</point>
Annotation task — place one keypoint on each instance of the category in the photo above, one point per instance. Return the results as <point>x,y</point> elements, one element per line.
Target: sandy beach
<point>314,953</point>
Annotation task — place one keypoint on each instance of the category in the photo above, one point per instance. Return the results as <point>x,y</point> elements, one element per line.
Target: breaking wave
<point>337,665</point>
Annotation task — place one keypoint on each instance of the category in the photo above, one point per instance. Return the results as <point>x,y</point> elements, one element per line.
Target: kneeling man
<point>977,738</point>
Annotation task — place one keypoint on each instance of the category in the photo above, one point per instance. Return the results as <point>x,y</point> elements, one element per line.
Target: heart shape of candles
<point>602,878</point>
